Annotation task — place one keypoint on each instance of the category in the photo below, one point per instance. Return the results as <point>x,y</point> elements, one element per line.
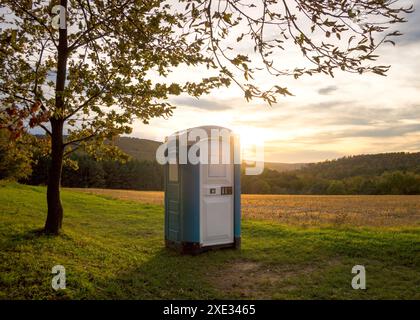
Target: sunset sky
<point>327,118</point>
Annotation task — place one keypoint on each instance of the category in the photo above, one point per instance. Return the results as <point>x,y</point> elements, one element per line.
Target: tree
<point>15,156</point>
<point>336,187</point>
<point>102,64</point>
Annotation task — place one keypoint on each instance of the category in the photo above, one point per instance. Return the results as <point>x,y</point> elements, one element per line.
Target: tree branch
<point>29,13</point>
<point>80,139</point>
<point>45,129</point>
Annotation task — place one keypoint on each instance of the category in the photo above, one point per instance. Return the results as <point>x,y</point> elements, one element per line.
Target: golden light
<point>251,140</point>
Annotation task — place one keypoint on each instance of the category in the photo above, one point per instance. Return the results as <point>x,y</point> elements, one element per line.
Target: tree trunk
<point>55,209</point>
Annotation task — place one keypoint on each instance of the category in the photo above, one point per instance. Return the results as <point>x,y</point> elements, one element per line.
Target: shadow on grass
<point>274,262</point>
<point>29,236</point>
<point>167,274</point>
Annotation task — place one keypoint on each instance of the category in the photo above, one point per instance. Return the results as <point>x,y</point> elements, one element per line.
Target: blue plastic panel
<point>190,177</point>
<point>172,209</point>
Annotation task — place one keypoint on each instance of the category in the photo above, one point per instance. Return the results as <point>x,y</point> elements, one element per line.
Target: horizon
<point>332,159</point>
<point>279,162</point>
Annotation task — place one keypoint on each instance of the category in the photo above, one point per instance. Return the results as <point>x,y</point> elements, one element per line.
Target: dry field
<point>335,210</point>
<point>308,211</point>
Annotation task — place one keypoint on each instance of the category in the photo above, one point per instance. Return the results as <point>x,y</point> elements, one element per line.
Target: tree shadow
<point>26,236</point>
<point>30,234</point>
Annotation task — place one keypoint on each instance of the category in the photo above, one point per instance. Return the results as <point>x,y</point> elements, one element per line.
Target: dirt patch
<point>253,280</point>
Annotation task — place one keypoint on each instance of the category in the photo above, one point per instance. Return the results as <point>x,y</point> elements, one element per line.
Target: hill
<point>284,167</point>
<point>144,149</point>
<point>140,149</point>
<point>358,165</point>
<point>387,173</point>
<point>364,165</point>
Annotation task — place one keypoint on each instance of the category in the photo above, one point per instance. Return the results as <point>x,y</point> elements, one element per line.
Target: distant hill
<point>386,173</point>
<point>284,167</point>
<point>364,165</point>
<point>359,165</point>
<point>144,149</point>
<point>346,167</point>
<point>140,149</point>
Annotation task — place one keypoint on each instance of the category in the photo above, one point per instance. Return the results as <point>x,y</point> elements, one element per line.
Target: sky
<point>327,118</point>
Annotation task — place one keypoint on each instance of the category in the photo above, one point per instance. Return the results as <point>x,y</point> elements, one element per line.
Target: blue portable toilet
<point>203,200</point>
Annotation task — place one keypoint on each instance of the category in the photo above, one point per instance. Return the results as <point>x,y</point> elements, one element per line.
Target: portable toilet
<point>203,200</point>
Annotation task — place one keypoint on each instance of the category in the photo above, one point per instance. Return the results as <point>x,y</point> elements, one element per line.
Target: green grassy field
<point>113,249</point>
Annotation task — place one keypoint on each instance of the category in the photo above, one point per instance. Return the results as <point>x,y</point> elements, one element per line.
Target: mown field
<point>293,248</point>
<point>303,211</point>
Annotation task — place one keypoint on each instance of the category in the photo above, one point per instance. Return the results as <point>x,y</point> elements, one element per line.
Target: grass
<point>113,249</point>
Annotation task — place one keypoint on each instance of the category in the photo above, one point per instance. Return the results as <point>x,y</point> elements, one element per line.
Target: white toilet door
<point>216,204</point>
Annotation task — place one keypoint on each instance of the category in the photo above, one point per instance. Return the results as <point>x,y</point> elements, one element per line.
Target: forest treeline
<point>397,173</point>
<point>133,174</point>
<point>388,173</point>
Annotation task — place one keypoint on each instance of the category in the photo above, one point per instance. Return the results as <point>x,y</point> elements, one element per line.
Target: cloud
<point>387,132</point>
<point>327,90</point>
<point>327,118</point>
<point>410,112</point>
<point>410,30</point>
<point>408,37</point>
<point>329,106</point>
<point>382,132</point>
<point>204,104</point>
<point>346,120</point>
<point>301,156</point>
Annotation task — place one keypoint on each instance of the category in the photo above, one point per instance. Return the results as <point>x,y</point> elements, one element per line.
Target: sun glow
<point>252,142</point>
